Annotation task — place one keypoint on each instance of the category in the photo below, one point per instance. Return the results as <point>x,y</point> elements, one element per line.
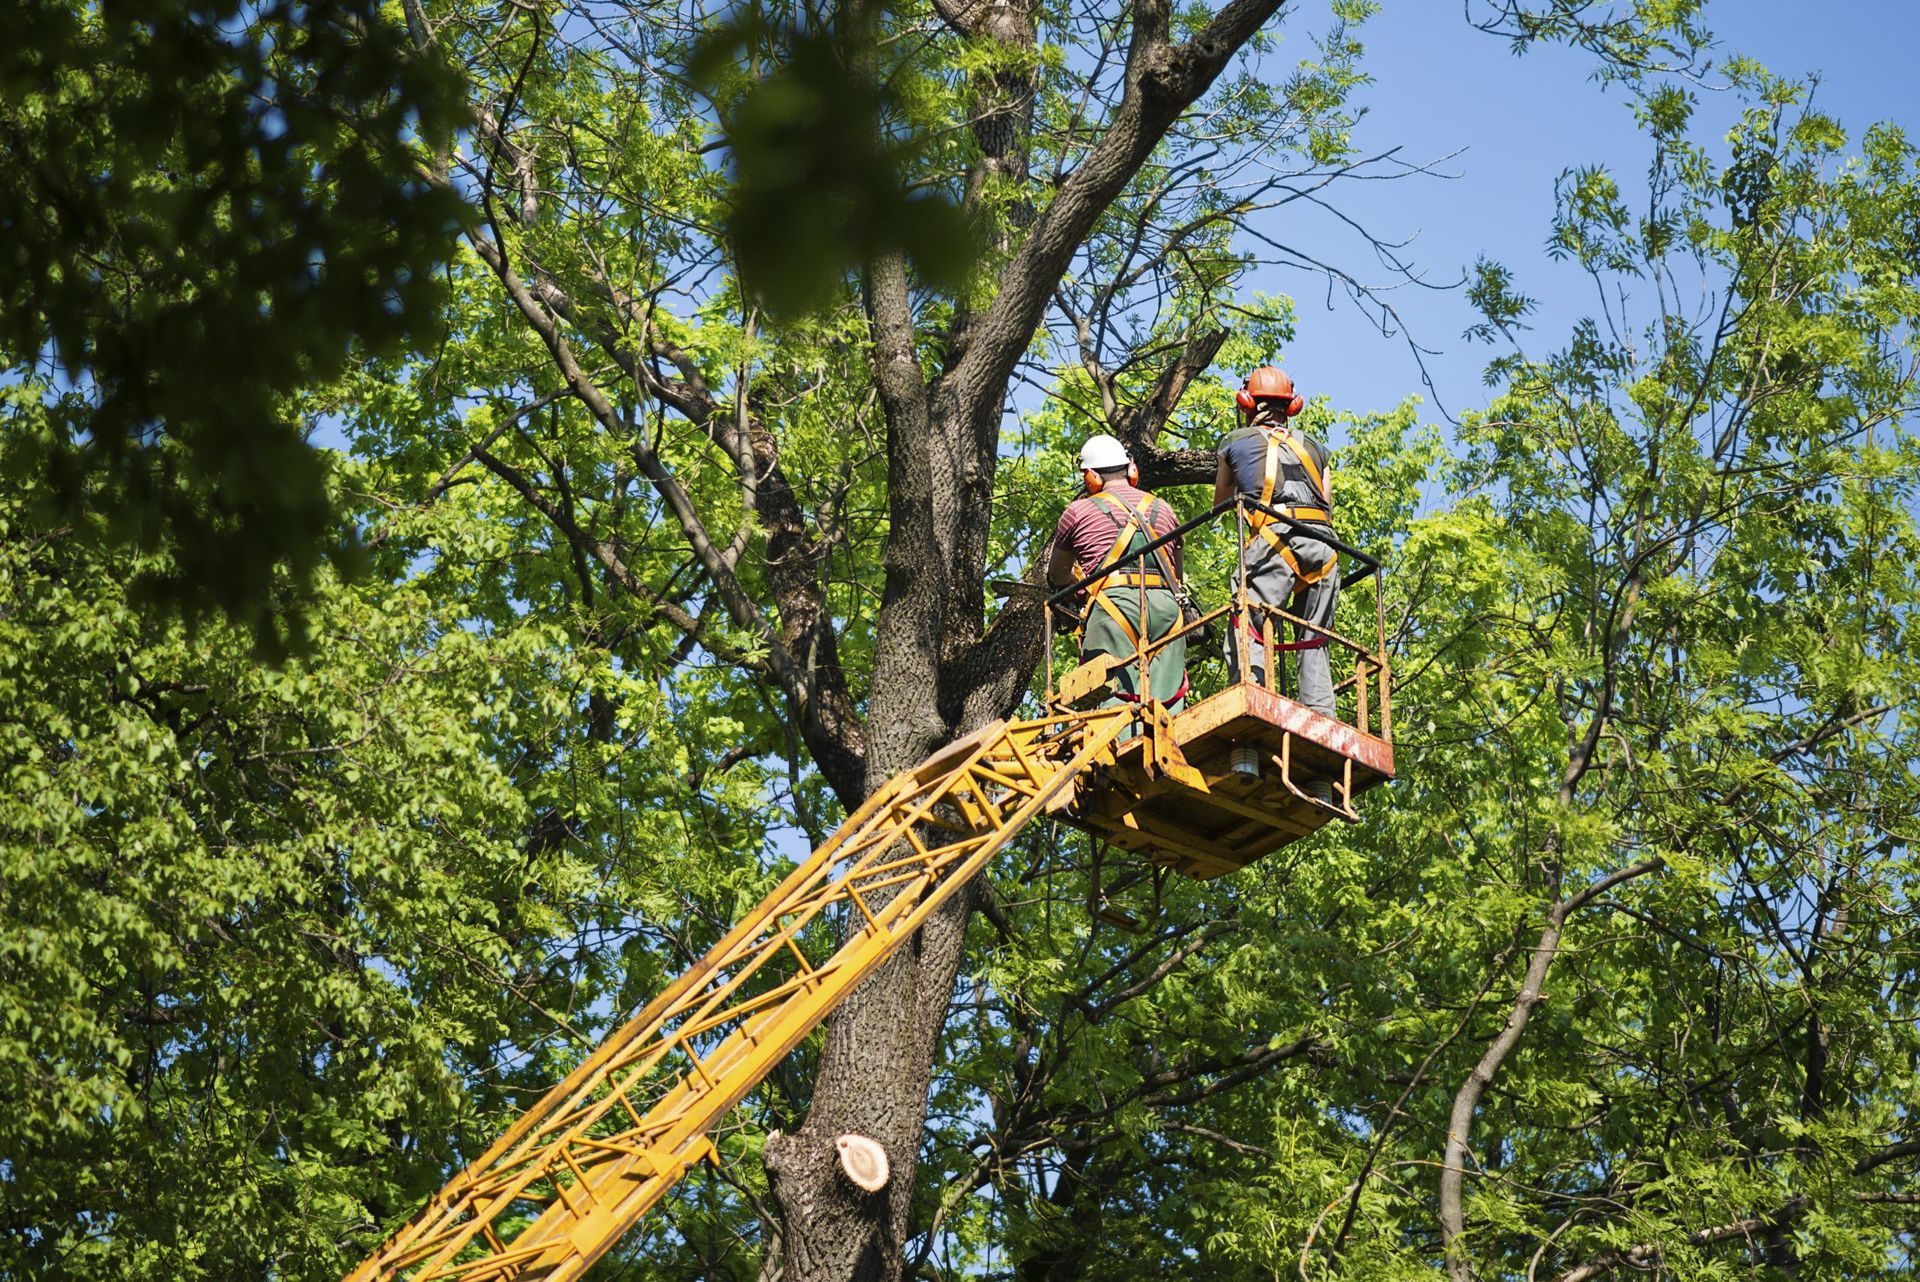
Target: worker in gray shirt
<point>1286,469</point>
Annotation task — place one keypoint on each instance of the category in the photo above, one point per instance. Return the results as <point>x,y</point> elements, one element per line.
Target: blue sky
<point>1442,87</point>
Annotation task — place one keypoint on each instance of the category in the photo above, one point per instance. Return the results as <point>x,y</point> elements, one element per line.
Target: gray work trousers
<point>1271,581</point>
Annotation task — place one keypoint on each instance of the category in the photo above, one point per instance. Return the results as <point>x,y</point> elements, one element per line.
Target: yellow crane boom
<point>1203,791</point>
<point>580,1167</point>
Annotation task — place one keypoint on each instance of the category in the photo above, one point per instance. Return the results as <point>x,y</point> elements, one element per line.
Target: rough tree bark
<point>937,672</point>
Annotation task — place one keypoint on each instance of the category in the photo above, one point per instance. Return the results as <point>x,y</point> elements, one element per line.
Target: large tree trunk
<point>873,1081</point>
<point>938,673</point>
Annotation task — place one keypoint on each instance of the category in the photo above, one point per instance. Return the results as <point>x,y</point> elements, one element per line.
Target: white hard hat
<point>1103,452</point>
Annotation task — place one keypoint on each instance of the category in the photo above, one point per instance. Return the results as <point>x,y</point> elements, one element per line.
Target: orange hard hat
<point>1269,383</point>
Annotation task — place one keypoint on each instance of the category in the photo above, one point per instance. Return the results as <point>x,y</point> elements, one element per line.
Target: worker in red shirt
<point>1114,518</point>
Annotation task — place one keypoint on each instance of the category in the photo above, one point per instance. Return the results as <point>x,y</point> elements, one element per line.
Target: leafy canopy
<point>208,208</point>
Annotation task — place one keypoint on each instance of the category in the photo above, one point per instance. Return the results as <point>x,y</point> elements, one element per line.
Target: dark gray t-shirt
<point>1245,450</point>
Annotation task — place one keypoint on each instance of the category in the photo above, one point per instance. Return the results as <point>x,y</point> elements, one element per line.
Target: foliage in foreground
<point>208,208</point>
<point>281,944</point>
<point>1621,975</point>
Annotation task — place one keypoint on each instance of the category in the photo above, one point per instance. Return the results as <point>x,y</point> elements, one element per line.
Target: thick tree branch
<point>914,602</point>
<point>988,678</point>
<point>832,733</point>
<point>1162,81</point>
<point>1140,424</point>
<point>1891,1153</point>
<point>961,15</point>
<point>1467,1100</point>
<point>1647,1254</point>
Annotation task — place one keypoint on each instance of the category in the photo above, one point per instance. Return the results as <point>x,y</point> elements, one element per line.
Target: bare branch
<point>1467,1100</point>
<point>1162,80</point>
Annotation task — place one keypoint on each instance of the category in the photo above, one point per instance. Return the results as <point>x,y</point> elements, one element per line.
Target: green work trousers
<point>1166,670</point>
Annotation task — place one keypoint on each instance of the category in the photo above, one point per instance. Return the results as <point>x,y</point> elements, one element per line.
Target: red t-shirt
<point>1090,525</point>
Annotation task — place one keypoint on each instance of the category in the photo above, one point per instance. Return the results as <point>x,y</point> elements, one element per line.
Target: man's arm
<point>1176,550</point>
<point>1223,487</point>
<point>1060,565</point>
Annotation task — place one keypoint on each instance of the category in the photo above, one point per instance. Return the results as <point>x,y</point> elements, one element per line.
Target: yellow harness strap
<point>1097,590</point>
<point>1262,524</point>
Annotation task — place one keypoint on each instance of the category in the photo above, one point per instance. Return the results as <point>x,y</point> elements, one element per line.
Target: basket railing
<point>1363,695</point>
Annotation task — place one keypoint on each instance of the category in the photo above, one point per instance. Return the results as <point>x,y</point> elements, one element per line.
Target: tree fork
<point>877,1066</point>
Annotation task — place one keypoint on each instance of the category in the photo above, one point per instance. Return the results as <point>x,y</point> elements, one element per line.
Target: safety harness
<point>1262,524</point>
<point>1137,523</point>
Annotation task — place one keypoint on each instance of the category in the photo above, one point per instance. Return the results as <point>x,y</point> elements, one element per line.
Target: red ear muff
<point>1095,483</point>
<point>1244,399</point>
<point>1133,474</point>
<point>1295,404</point>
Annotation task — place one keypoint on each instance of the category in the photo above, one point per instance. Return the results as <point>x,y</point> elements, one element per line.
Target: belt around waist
<point>1136,580</point>
<point>1311,515</point>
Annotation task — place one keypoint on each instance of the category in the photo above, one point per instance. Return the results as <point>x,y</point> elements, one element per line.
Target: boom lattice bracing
<point>1203,791</point>
<point>579,1168</point>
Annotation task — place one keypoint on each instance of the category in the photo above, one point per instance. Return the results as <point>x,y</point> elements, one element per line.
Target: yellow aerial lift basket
<point>1239,774</point>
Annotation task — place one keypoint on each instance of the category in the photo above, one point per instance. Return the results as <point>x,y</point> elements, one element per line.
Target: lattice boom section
<point>579,1168</point>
